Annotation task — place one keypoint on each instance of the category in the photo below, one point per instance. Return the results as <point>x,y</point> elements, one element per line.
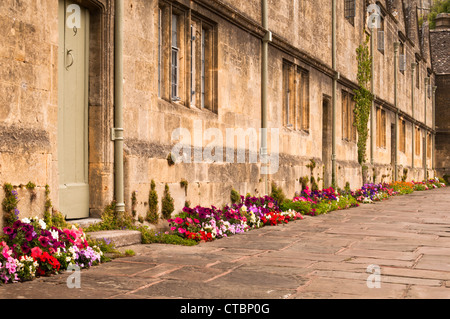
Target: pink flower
<point>179,220</point>
<point>181,230</point>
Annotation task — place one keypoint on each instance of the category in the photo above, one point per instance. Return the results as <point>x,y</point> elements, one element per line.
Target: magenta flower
<point>44,241</point>
<point>179,221</point>
<point>8,230</point>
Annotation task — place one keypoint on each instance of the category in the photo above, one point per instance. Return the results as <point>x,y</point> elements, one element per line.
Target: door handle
<point>69,53</point>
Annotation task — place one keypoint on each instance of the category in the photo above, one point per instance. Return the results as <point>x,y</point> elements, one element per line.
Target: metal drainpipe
<point>373,112</point>
<point>396,47</point>
<point>413,142</point>
<point>118,107</point>
<point>335,78</point>
<point>425,168</point>
<point>433,155</point>
<point>264,88</point>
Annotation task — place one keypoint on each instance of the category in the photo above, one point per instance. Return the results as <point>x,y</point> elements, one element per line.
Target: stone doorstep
<point>120,238</point>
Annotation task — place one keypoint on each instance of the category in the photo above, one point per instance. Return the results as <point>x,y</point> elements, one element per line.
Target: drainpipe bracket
<point>267,36</point>
<point>117,134</point>
<point>337,76</point>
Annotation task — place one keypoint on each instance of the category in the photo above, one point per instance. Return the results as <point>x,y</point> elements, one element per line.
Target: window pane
<point>174,30</point>
<point>203,70</point>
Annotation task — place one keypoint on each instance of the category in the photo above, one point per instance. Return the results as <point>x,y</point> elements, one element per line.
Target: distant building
<point>440,48</point>
<point>424,7</point>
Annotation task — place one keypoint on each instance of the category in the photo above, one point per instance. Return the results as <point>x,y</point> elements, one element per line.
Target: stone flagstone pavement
<point>325,257</point>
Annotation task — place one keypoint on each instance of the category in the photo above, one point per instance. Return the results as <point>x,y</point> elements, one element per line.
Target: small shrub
<point>277,194</point>
<point>152,213</point>
<point>184,184</point>
<point>235,196</point>
<point>167,203</point>
<point>9,204</point>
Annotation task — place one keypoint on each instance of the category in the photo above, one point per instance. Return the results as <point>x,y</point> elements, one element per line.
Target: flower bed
<point>207,224</point>
<point>30,249</point>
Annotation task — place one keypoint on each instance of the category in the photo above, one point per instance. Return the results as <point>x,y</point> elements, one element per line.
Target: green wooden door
<point>73,110</point>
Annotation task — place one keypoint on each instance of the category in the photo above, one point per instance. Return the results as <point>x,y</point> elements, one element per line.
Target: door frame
<point>100,105</point>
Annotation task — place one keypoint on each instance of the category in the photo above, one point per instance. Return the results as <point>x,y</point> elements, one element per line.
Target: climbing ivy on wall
<point>363,98</point>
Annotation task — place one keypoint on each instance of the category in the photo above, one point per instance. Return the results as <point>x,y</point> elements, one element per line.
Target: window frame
<point>350,11</point>
<point>348,105</point>
<point>381,128</point>
<point>179,65</point>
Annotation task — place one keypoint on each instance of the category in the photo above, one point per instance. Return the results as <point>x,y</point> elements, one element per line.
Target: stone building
<point>65,112</point>
<point>440,48</point>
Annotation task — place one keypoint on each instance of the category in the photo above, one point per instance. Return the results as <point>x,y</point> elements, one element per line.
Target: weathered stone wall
<point>302,36</point>
<point>28,99</point>
<point>443,125</point>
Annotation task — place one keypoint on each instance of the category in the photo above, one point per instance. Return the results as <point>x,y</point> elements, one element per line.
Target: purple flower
<point>8,230</point>
<point>29,236</point>
<point>17,224</point>
<point>44,241</point>
<point>25,249</point>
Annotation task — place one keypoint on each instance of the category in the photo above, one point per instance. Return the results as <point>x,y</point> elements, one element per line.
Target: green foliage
<point>304,182</point>
<point>405,175</point>
<point>129,253</point>
<point>235,196</point>
<point>347,188</point>
<point>170,160</point>
<point>303,208</point>
<point>152,213</point>
<point>277,194</point>
<point>363,98</point>
<point>9,204</point>
<point>314,185</point>
<point>167,203</point>
<point>30,186</point>
<point>112,220</point>
<point>311,165</point>
<point>153,237</point>
<point>133,203</point>
<point>48,205</point>
<point>184,184</point>
<point>440,6</point>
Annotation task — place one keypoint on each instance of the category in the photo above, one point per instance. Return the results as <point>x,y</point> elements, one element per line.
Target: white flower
<point>26,221</point>
<point>42,224</point>
<point>55,234</point>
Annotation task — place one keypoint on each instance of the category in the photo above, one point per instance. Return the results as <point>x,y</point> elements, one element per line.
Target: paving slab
<point>323,257</point>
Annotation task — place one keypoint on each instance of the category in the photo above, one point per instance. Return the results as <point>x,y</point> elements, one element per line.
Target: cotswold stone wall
<point>28,99</point>
<point>301,37</point>
<point>442,125</point>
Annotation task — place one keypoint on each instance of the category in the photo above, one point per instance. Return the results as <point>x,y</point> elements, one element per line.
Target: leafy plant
<point>304,182</point>
<point>152,213</point>
<point>363,98</point>
<point>167,203</point>
<point>235,196</point>
<point>133,203</point>
<point>184,184</point>
<point>440,6</point>
<point>277,194</point>
<point>9,204</point>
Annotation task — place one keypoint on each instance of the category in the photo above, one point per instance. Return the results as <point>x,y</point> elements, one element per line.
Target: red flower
<point>36,252</point>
